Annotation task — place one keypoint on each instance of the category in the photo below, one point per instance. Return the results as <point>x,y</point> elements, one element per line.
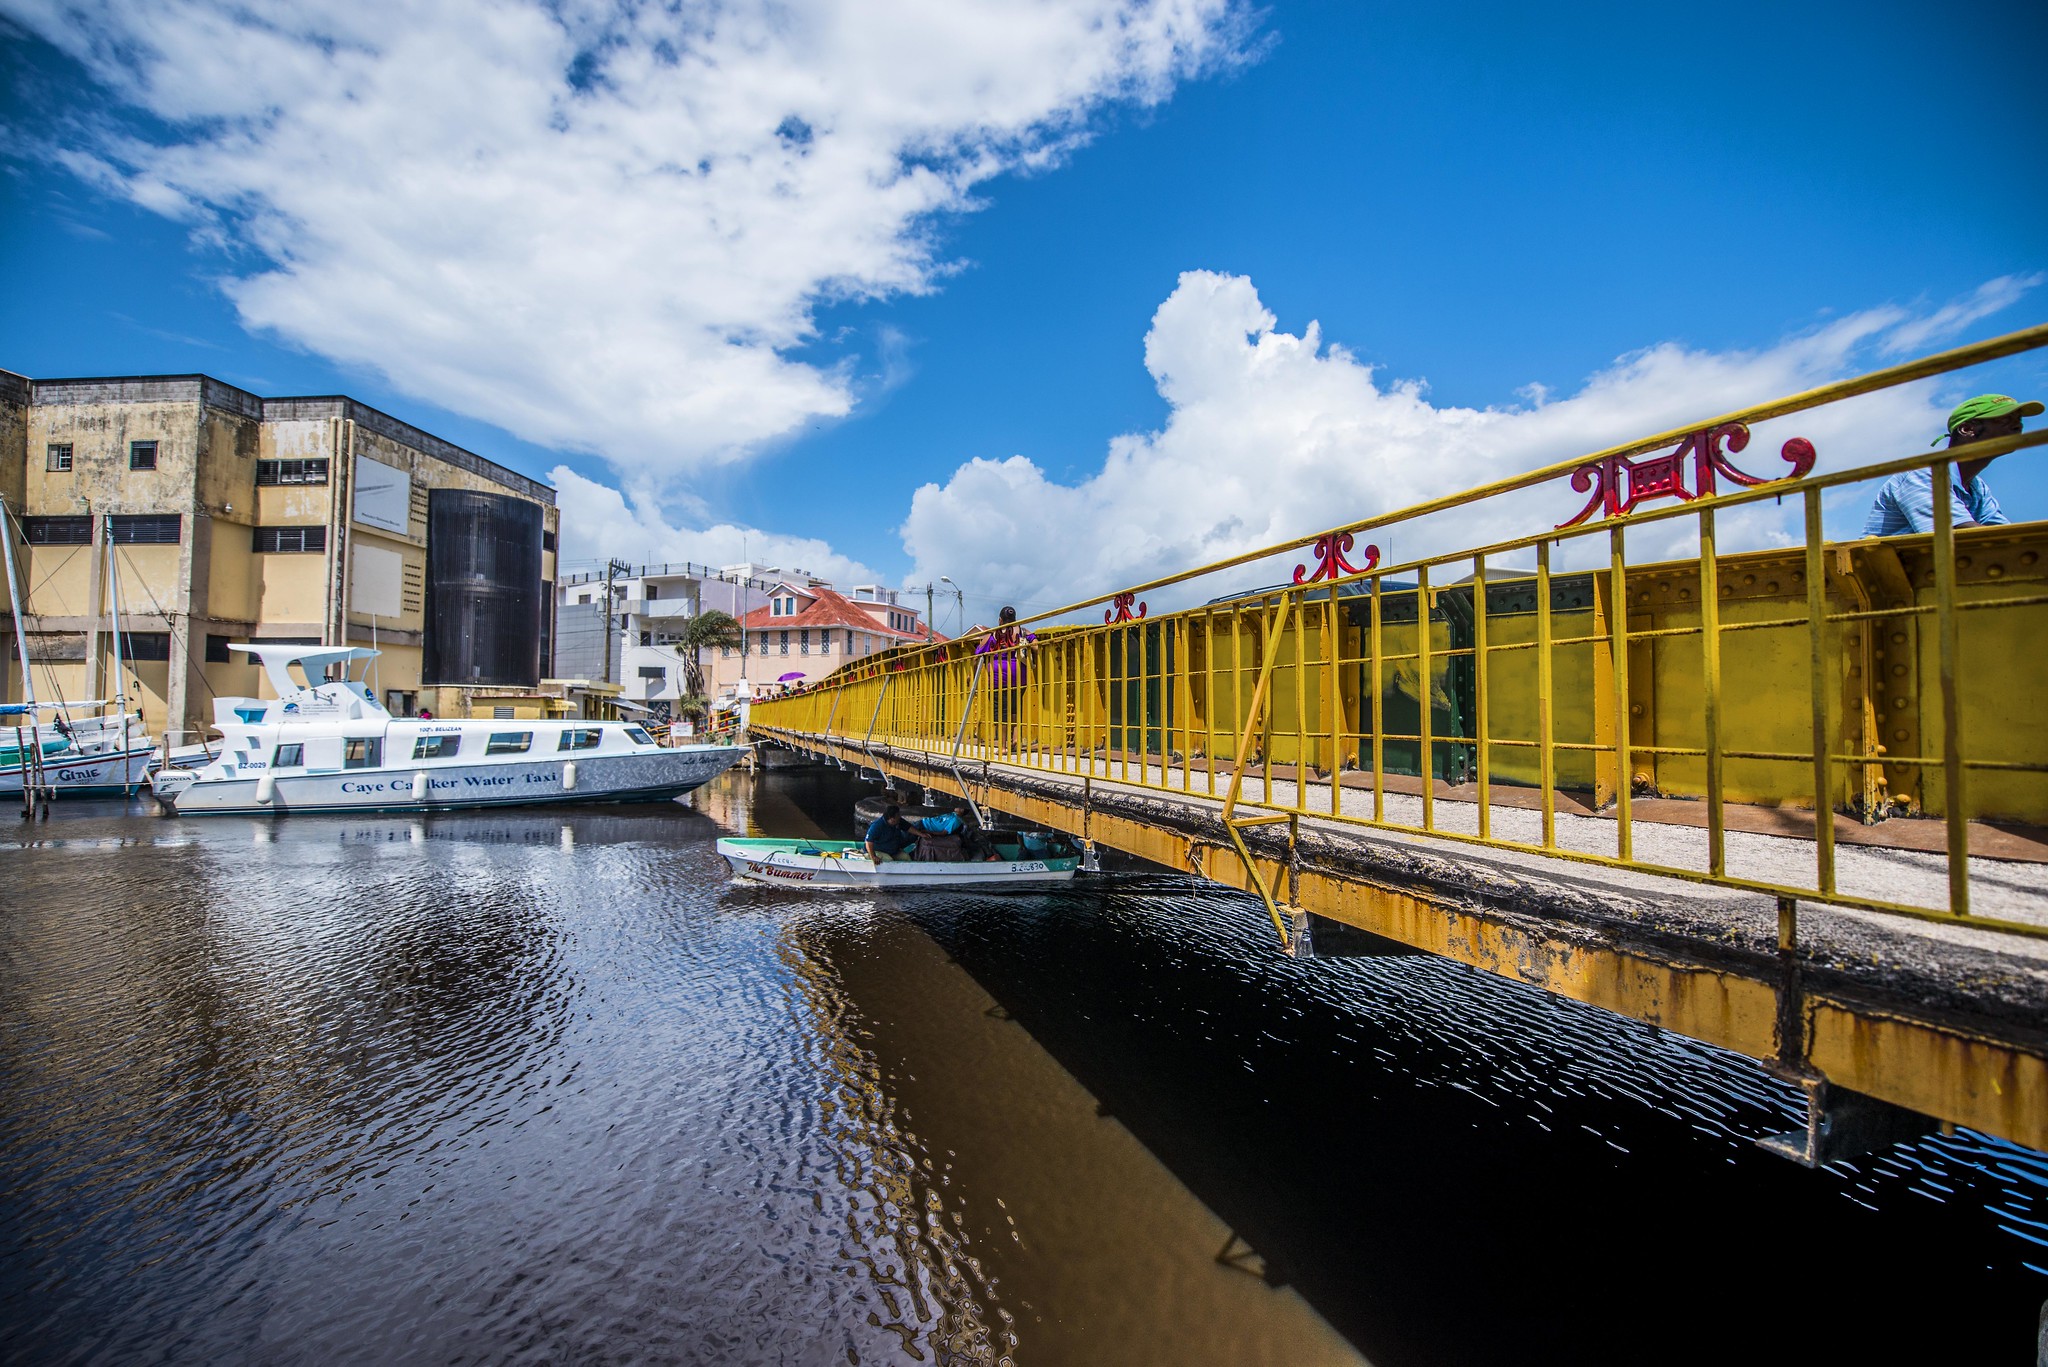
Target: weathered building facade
<point>236,518</point>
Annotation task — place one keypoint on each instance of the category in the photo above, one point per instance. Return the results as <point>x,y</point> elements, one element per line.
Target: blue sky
<point>1480,198</point>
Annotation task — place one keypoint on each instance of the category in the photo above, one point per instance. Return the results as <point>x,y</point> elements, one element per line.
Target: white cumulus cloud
<point>599,523</point>
<point>602,226</point>
<point>1273,436</point>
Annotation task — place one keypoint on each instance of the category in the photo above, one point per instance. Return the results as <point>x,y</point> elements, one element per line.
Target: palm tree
<point>708,630</point>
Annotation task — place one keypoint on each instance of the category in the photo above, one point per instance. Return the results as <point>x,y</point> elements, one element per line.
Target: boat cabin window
<point>437,747</point>
<point>638,735</point>
<point>291,756</point>
<point>250,714</point>
<point>581,738</point>
<point>362,752</point>
<point>509,743</point>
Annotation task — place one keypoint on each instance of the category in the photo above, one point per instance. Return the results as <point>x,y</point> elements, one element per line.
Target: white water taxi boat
<point>329,746</point>
<point>1029,860</point>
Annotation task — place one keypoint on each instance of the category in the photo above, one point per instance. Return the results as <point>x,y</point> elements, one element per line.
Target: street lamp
<point>960,624</point>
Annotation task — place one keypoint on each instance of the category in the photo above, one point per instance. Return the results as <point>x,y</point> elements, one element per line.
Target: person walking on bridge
<point>1906,503</point>
<point>1005,647</point>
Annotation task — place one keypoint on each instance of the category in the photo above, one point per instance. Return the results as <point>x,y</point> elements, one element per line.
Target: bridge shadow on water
<point>1450,1168</point>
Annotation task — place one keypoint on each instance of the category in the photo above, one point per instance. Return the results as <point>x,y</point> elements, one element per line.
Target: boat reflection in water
<point>543,1084</point>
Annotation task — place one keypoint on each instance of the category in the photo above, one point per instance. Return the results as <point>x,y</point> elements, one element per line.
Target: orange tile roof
<point>829,609</point>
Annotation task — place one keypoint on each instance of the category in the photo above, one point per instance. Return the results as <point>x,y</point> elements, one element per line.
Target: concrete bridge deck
<point>1883,1019</point>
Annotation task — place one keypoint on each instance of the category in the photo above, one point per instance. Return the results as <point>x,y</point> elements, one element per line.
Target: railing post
<point>1379,730</point>
<point>1710,684</point>
<point>1624,712</point>
<point>1333,700</point>
<point>1952,773</point>
<point>1821,690</point>
<point>1479,748</point>
<point>1425,694</point>
<point>1546,759</point>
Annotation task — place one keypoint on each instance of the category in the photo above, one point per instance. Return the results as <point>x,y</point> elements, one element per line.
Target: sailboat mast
<point>28,685</point>
<point>114,625</point>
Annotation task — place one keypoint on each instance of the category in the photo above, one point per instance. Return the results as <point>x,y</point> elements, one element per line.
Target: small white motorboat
<point>91,755</point>
<point>100,752</point>
<point>1029,859</point>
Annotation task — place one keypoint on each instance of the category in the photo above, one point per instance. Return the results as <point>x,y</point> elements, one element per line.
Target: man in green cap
<point>1906,503</point>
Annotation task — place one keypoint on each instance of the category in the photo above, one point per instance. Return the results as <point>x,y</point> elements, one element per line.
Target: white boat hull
<point>102,775</point>
<point>635,776</point>
<point>784,868</point>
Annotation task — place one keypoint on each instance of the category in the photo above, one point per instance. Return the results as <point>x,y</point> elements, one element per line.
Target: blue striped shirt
<point>1906,504</point>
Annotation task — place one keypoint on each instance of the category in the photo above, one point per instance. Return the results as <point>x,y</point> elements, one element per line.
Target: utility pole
<point>927,609</point>
<point>612,570</point>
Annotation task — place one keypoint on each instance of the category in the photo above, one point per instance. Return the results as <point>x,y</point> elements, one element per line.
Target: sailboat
<point>82,749</point>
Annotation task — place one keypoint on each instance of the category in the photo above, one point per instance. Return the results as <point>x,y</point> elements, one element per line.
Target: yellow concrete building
<point>237,518</point>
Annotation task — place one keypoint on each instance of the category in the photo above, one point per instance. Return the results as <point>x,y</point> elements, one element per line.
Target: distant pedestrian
<point>426,714</point>
<point>1906,503</point>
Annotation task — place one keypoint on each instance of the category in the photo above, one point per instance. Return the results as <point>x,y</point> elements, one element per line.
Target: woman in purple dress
<point>1005,648</point>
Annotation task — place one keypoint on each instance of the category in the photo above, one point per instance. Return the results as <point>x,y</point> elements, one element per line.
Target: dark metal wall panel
<point>484,592</point>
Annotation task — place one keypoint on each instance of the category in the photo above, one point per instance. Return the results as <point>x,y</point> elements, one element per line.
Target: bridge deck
<point>1945,1019</point>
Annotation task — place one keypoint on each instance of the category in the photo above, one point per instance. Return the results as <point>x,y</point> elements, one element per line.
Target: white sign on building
<point>383,496</point>
<point>376,581</point>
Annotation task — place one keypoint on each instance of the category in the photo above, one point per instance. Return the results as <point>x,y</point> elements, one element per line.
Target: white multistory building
<point>797,628</point>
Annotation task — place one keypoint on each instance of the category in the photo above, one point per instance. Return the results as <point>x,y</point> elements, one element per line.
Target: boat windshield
<point>638,735</point>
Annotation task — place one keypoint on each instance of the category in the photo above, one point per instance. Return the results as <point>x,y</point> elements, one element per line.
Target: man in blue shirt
<point>888,839</point>
<point>1906,503</point>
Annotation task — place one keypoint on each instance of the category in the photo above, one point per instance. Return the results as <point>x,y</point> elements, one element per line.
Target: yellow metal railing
<point>1538,710</point>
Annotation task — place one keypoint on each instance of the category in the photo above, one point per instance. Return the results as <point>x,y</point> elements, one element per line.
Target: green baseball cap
<point>1988,406</point>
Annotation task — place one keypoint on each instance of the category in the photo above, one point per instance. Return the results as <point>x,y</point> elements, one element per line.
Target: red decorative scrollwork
<point>1330,561</point>
<point>1618,484</point>
<point>1121,612</point>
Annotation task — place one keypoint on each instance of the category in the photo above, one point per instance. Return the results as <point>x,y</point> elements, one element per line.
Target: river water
<point>544,1087</point>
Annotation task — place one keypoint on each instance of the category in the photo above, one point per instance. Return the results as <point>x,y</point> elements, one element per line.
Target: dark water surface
<point>544,1087</point>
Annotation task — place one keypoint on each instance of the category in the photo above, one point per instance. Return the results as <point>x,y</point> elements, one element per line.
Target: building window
<point>804,646</point>
<point>509,743</point>
<point>291,471</point>
<point>654,672</point>
<point>362,752</point>
<point>146,645</point>
<point>147,530</point>
<point>764,643</point>
<point>437,747</point>
<point>849,635</point>
<point>785,643</point>
<point>646,638</point>
<point>217,652</point>
<point>59,455</point>
<point>291,756</point>
<point>581,738</point>
<point>270,540</point>
<point>725,652</point>
<point>57,531</point>
<point>547,540</point>
<point>653,592</point>
<point>142,455</point>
